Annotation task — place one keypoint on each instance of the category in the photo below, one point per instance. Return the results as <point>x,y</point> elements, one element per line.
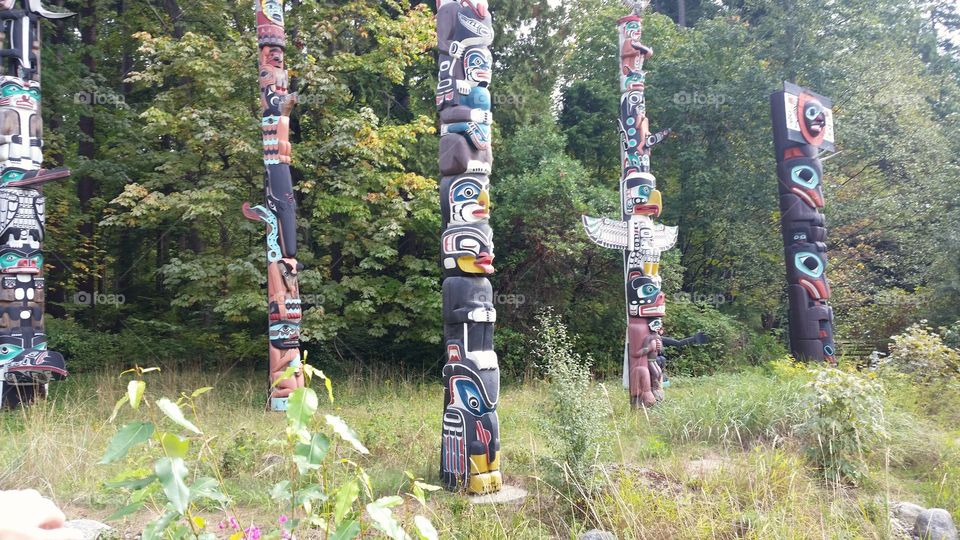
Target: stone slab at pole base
<point>506,495</point>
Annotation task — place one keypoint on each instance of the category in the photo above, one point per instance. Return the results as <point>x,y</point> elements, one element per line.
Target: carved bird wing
<point>609,233</point>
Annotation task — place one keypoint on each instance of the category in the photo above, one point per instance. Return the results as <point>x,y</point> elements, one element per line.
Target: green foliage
<point>846,422</point>
<point>575,416</point>
<point>922,354</point>
<point>737,410</point>
<point>311,502</point>
<point>726,335</point>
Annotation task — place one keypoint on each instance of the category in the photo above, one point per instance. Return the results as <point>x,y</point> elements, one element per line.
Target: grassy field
<point>719,459</point>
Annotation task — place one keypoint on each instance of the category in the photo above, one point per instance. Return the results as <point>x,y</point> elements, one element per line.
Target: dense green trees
<point>166,93</point>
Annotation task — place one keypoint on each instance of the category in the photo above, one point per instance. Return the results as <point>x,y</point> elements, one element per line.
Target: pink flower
<point>233,523</point>
<point>282,519</point>
<point>252,532</point>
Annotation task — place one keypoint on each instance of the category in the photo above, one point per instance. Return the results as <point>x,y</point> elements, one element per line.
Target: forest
<point>151,106</point>
<point>156,280</point>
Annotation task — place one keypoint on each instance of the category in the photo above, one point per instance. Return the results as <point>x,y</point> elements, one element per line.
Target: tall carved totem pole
<point>637,234</point>
<point>802,125</point>
<point>280,211</point>
<point>26,366</point>
<point>470,451</point>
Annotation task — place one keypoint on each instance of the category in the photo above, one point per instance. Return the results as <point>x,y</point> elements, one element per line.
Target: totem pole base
<point>507,494</point>
<point>278,404</point>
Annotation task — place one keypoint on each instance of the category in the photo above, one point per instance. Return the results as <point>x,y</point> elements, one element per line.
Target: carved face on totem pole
<point>640,195</point>
<point>632,53</point>
<point>467,250</point>
<point>803,178</point>
<point>644,296</point>
<point>20,127</point>
<point>464,199</point>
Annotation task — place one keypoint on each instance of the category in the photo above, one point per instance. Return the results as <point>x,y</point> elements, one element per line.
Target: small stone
<point>906,511</point>
<point>90,529</point>
<point>597,534</point>
<point>935,524</point>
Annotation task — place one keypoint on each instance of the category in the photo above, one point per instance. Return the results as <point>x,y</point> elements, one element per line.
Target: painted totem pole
<point>26,366</point>
<point>280,211</point>
<point>636,233</point>
<point>470,449</point>
<point>802,125</point>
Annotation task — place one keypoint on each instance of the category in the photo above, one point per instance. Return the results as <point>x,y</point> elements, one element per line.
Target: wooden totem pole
<point>802,125</point>
<point>26,366</point>
<point>470,451</point>
<point>280,211</point>
<point>637,234</point>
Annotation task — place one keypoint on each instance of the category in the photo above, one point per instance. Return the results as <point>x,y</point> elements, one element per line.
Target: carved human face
<point>477,66</point>
<point>814,116</point>
<point>19,261</point>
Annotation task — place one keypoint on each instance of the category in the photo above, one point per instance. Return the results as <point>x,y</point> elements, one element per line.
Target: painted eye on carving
<point>809,263</point>
<point>470,397</point>
<point>812,111</point>
<point>805,175</point>
<point>9,352</point>
<point>471,245</point>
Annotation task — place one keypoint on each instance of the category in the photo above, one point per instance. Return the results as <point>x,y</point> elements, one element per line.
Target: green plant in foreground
<point>846,423</point>
<point>310,497</point>
<point>576,416</point>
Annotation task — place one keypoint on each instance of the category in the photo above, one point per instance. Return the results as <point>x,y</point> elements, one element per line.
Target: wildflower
<point>282,519</point>
<point>252,532</point>
<point>233,523</point>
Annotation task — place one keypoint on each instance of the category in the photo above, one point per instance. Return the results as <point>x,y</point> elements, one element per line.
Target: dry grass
<point>753,484</point>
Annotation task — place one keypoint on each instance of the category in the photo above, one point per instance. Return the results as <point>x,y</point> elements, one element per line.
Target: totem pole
<point>26,366</point>
<point>802,125</point>
<point>280,211</point>
<point>470,449</point>
<point>641,239</point>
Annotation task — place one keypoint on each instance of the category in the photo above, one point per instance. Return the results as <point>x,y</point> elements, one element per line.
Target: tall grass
<point>717,459</point>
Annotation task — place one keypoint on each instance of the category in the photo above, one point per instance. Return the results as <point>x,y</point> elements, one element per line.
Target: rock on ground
<point>597,534</point>
<point>935,524</point>
<point>91,530</point>
<point>906,512</point>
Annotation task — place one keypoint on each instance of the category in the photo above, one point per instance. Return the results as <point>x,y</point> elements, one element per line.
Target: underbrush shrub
<point>575,416</point>
<point>921,353</point>
<point>727,338</point>
<point>846,423</point>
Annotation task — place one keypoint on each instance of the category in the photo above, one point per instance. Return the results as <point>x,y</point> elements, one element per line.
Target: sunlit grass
<point>650,483</point>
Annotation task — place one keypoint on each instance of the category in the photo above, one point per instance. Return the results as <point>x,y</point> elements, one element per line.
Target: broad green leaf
<point>346,433</point>
<point>425,529</point>
<point>281,491</point>
<point>129,436</point>
<point>172,472</point>
<point>116,408</point>
<point>133,483</point>
<point>200,391</point>
<point>309,456</point>
<point>135,391</point>
<point>126,510</point>
<point>309,494</point>
<point>383,519</point>
<point>173,412</point>
<point>207,488</point>
<point>347,493</point>
<point>346,531</point>
<point>154,530</point>
<point>301,406</point>
<point>174,445</point>
<point>287,373</point>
